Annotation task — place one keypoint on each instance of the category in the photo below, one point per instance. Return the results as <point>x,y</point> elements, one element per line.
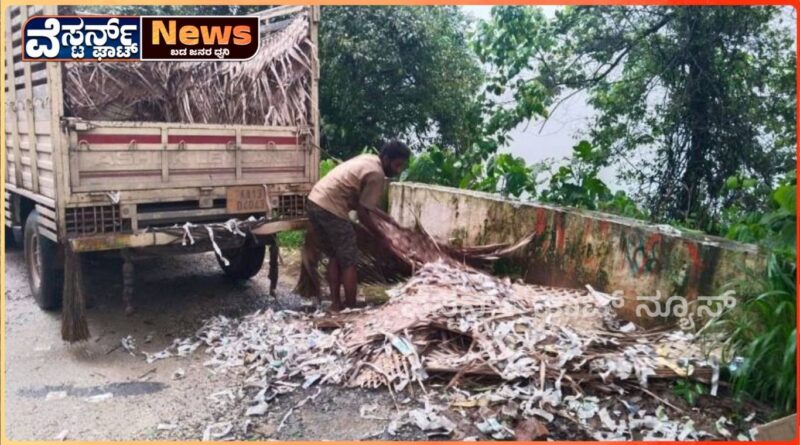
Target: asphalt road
<point>50,384</point>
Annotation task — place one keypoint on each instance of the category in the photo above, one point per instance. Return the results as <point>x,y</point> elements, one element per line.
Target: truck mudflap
<point>188,235</point>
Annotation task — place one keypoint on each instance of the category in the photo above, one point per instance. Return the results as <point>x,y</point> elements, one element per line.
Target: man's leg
<point>350,282</point>
<point>334,284</point>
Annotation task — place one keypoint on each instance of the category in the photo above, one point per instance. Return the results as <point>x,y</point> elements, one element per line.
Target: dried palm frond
<point>272,88</point>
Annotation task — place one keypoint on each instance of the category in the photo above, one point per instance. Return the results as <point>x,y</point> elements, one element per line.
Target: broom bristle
<point>74,326</point>
<point>309,282</point>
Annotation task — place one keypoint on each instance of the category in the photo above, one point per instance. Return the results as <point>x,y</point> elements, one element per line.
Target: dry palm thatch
<point>407,250</point>
<point>537,352</point>
<point>272,88</point>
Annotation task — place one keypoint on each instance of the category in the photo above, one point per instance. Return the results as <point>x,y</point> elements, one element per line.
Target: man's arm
<point>368,201</point>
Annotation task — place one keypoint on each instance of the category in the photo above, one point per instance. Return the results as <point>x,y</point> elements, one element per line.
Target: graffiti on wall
<point>642,252</point>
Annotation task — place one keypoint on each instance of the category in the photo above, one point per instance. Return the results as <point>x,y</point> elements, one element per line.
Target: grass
<point>762,330</point>
<point>291,239</point>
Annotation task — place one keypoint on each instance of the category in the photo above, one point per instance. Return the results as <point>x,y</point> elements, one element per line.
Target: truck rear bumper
<point>144,239</point>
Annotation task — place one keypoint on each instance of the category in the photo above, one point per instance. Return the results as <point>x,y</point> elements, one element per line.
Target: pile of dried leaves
<point>272,88</point>
<point>506,359</point>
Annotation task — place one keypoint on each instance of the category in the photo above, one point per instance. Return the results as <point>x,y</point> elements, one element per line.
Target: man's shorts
<point>336,236</point>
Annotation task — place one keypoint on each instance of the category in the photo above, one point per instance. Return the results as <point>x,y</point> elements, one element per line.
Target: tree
<point>686,97</point>
<point>397,71</point>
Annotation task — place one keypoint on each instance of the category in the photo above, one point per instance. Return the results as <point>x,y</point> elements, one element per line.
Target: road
<point>50,383</point>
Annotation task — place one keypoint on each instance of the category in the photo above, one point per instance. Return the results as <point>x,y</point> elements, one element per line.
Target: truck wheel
<point>244,262</point>
<point>41,258</point>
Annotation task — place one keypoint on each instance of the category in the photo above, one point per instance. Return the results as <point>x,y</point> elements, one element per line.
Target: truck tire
<point>244,262</point>
<point>45,277</point>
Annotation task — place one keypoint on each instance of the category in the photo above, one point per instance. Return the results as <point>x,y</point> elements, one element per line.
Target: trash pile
<point>507,359</point>
<point>272,88</point>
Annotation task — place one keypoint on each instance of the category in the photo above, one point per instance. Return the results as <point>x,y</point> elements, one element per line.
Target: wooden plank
<point>41,127</point>
<point>164,154</point>
<point>48,224</point>
<point>238,160</point>
<point>29,103</point>
<point>46,164</point>
<point>46,211</point>
<point>261,129</point>
<point>12,97</point>
<point>157,188</point>
<point>314,106</point>
<point>60,144</point>
<point>27,181</point>
<point>47,233</point>
<point>30,195</point>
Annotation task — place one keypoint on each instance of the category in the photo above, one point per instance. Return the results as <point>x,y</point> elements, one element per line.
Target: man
<point>357,185</point>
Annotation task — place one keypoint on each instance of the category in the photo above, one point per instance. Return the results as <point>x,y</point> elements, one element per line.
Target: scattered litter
<point>62,435</point>
<point>150,358</point>
<point>149,337</point>
<point>495,429</point>
<point>166,426</point>
<point>431,421</point>
<point>720,425</point>
<point>129,344</point>
<point>548,352</point>
<point>257,410</point>
<point>627,328</point>
<point>178,374</point>
<point>217,431</point>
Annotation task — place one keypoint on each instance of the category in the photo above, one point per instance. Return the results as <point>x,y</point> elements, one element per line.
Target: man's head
<point>394,157</point>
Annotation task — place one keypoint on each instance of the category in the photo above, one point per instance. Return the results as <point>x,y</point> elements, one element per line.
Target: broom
<point>309,281</point>
<point>74,326</point>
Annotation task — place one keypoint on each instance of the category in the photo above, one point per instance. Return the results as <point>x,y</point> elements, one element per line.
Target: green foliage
<point>397,72</point>
<point>763,329</point>
<point>507,43</point>
<point>686,97</point>
<point>775,226</point>
<point>291,239</point>
<point>501,173</point>
<point>325,166</point>
<point>577,185</point>
<point>689,390</point>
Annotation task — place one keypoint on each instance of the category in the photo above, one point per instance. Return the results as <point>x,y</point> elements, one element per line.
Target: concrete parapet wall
<point>572,247</point>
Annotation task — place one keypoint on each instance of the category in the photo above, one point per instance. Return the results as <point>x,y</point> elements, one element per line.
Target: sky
<point>554,141</point>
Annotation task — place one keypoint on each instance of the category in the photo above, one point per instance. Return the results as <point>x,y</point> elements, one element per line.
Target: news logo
<point>199,38</point>
<point>127,38</point>
<point>88,38</point>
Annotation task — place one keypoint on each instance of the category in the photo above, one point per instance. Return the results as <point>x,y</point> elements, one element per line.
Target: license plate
<point>247,199</point>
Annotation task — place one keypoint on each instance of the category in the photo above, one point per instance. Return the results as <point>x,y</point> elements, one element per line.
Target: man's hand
<point>365,217</point>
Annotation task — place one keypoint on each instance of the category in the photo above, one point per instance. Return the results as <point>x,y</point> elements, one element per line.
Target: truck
<point>137,188</point>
